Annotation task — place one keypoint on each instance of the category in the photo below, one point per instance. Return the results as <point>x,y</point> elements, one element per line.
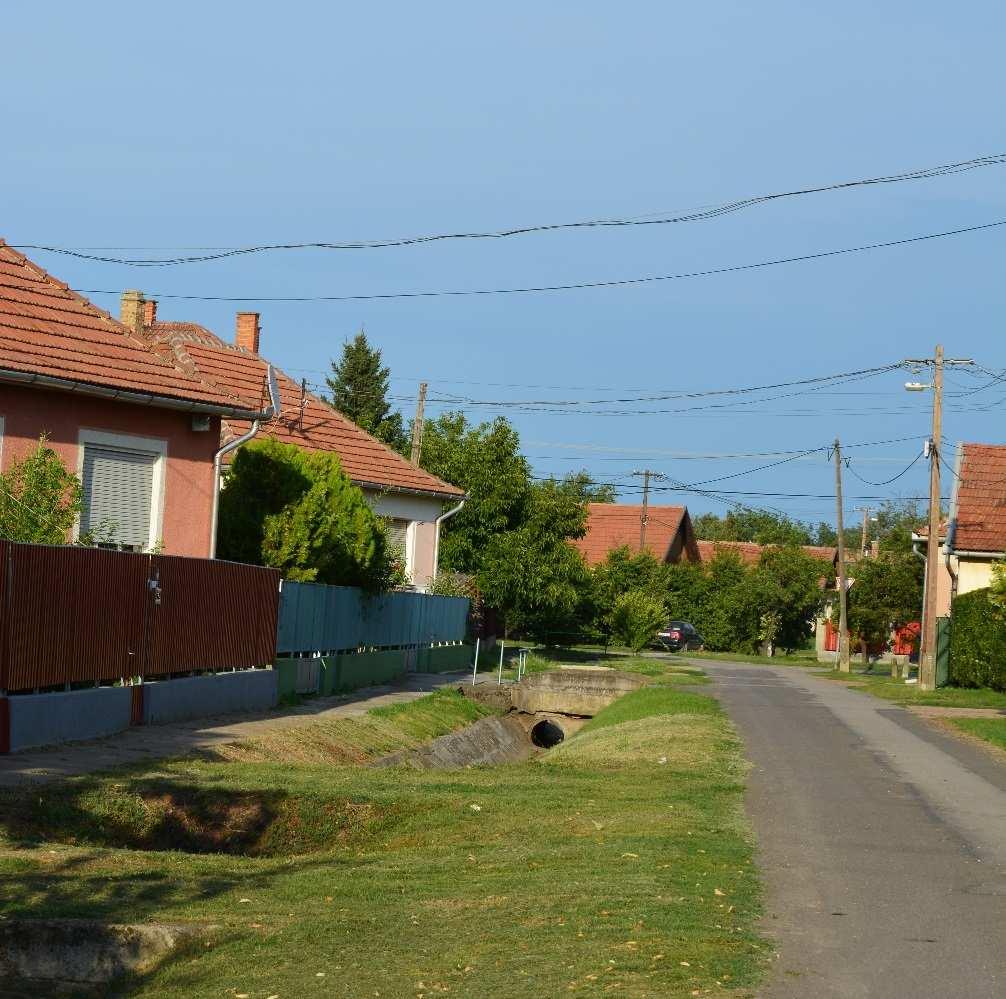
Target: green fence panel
<point>286,682</point>
<point>942,651</point>
<point>369,669</point>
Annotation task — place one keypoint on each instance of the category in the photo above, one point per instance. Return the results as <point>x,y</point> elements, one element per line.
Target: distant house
<point>668,536</point>
<point>140,429</point>
<point>411,499</point>
<point>976,530</point>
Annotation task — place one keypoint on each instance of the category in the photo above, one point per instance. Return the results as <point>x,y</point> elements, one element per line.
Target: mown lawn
<point>884,686</point>
<point>618,863</point>
<point>992,730</point>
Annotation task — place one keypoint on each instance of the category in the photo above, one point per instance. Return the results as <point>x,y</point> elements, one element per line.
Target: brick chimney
<point>131,307</point>
<point>149,312</point>
<point>247,333</point>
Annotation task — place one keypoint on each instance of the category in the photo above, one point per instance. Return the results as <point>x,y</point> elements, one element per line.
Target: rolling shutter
<point>398,534</point>
<point>118,492</point>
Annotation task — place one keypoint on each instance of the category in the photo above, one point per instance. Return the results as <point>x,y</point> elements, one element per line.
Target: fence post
<point>476,669</point>
<point>502,647</point>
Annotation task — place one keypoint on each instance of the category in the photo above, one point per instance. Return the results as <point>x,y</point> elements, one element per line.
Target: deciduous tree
<point>40,499</point>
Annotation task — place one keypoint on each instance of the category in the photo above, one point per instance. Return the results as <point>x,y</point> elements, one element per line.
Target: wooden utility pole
<point>865,511</point>
<point>927,654</point>
<point>417,425</point>
<point>646,503</point>
<point>644,515</point>
<point>843,624</point>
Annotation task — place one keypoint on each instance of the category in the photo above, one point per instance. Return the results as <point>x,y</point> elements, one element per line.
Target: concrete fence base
<point>37,720</point>
<point>202,696</point>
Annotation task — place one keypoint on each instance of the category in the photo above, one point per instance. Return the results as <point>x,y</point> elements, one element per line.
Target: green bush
<point>636,618</point>
<point>977,642</point>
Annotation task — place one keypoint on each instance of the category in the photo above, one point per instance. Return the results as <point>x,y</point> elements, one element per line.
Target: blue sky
<point>229,124</point>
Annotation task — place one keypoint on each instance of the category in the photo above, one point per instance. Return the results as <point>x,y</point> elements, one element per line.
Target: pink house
<point>139,429</point>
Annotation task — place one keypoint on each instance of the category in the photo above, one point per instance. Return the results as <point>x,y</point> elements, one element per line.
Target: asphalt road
<point>882,842</point>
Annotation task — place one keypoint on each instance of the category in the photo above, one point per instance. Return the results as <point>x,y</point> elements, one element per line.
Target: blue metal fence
<point>318,618</point>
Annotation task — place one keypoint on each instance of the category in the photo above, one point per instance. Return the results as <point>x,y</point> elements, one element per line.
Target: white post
<point>476,667</point>
<point>502,646</point>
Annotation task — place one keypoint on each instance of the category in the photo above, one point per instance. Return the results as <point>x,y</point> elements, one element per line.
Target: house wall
<point>26,413</point>
<point>421,512</point>
<point>973,574</point>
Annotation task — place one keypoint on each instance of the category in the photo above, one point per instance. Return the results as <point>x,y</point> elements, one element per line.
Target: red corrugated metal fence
<point>70,615</point>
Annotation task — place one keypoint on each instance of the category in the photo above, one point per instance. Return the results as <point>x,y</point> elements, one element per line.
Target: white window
<point>123,489</point>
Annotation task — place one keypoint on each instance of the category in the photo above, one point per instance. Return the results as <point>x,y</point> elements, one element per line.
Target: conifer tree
<point>359,387</point>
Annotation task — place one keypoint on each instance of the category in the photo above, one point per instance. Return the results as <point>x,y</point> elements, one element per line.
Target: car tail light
<point>675,633</point>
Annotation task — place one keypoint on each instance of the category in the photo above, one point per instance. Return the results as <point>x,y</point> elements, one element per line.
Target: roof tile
<point>613,525</point>
<point>981,499</point>
<point>46,329</point>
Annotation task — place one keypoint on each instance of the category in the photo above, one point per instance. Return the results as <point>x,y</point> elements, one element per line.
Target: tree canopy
<point>359,389</point>
<point>299,512</point>
<point>743,524</point>
<point>886,594</point>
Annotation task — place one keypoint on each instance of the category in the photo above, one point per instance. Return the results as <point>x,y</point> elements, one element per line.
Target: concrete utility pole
<point>843,624</point>
<point>927,653</point>
<point>418,424</point>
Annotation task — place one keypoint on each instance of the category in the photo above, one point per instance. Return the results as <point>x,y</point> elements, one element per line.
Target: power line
<point>578,286</point>
<point>886,482</point>
<point>698,215</point>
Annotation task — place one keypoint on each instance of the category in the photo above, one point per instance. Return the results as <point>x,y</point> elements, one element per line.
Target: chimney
<point>149,312</point>
<point>247,333</point>
<point>131,308</point>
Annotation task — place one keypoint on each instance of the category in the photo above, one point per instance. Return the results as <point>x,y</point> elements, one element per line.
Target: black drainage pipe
<point>546,734</point>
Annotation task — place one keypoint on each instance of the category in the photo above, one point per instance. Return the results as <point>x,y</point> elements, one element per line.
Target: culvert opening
<point>547,734</point>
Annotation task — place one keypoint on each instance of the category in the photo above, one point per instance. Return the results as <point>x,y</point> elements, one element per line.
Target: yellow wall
<point>973,574</point>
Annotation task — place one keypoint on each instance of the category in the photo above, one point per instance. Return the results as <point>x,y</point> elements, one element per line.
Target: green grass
<point>801,658</point>
<point>881,685</point>
<point>620,862</point>
<point>990,729</point>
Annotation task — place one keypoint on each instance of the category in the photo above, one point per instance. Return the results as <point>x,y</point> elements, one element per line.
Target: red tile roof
<point>314,425</point>
<point>980,510</point>
<point>47,330</point>
<point>750,552</point>
<point>612,525</point>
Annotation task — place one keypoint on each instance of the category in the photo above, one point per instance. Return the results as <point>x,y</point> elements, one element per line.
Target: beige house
<point>976,531</point>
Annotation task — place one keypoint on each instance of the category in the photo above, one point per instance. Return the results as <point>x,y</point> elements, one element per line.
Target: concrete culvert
<point>547,734</point>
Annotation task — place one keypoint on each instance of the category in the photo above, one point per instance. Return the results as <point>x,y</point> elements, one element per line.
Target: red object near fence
<point>906,639</point>
<point>71,615</point>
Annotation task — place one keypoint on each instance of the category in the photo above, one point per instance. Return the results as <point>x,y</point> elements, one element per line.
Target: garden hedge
<point>977,643</point>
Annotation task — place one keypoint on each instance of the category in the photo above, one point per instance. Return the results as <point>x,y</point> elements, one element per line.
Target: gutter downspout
<point>436,539</point>
<point>948,544</point>
<point>271,411</point>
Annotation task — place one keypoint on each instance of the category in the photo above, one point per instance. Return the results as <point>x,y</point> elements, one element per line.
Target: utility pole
<point>843,624</point>
<point>647,474</point>
<point>927,654</point>
<point>418,424</point>
<point>865,511</point>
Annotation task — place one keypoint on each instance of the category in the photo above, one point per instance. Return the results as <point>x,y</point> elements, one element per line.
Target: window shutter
<point>118,492</point>
<point>398,534</point>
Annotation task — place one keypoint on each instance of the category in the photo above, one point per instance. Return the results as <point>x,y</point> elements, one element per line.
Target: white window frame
<point>131,442</point>
<point>410,551</point>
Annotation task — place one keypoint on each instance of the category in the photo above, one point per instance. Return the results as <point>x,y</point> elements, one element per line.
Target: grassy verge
<point>667,668</point>
<point>793,659</point>
<point>908,693</point>
<point>992,730</point>
<point>619,862</point>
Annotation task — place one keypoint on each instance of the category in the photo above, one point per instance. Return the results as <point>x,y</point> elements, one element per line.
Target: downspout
<point>948,544</point>
<point>270,412</point>
<point>436,539</point>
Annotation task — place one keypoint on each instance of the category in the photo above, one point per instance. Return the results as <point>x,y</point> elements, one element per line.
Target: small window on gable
<point>118,488</point>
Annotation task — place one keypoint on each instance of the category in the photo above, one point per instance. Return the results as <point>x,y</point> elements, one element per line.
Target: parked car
<point>678,635</point>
